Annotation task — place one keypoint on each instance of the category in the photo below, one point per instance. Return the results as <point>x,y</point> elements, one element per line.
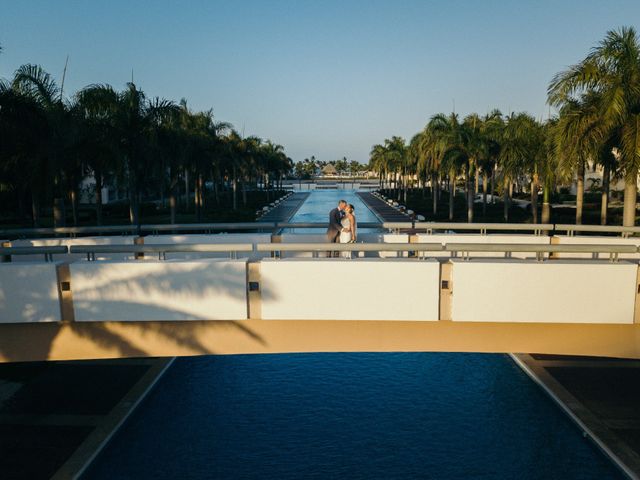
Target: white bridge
<point>499,288</point>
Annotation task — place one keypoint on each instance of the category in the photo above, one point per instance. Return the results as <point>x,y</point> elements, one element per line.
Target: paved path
<point>602,393</point>
<point>286,209</point>
<point>56,416</point>
<point>385,211</point>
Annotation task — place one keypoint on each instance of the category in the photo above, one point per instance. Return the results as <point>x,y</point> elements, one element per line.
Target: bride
<point>349,232</point>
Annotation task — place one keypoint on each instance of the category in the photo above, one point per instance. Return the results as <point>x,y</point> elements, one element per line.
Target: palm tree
<point>611,72</point>
<point>32,81</point>
<point>579,135</point>
<point>96,106</point>
<point>490,135</point>
<point>377,162</point>
<point>457,143</point>
<point>514,154</point>
<point>23,150</point>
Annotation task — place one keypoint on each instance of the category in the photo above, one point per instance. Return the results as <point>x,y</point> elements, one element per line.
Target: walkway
<point>602,394</point>
<point>286,209</point>
<point>382,209</point>
<point>56,416</point>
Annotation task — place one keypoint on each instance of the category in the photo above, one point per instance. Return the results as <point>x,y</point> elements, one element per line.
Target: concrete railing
<point>422,288</point>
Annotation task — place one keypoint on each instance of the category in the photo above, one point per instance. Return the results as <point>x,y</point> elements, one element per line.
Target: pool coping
<point>82,458</point>
<point>592,427</point>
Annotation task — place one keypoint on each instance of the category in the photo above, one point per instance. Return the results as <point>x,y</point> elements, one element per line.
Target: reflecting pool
<point>362,416</point>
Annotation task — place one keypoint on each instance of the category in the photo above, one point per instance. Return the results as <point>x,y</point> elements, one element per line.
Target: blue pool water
<point>318,205</point>
<point>355,416</point>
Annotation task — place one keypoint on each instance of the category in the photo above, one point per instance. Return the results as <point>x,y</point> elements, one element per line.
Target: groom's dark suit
<point>333,232</point>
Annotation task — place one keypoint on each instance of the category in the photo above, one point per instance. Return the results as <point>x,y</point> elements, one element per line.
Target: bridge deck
<point>286,209</point>
<point>382,209</point>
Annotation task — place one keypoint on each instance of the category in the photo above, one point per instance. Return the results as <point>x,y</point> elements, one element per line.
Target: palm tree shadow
<point>34,340</point>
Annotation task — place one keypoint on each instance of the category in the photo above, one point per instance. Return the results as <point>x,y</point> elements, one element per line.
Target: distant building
<point>329,171</point>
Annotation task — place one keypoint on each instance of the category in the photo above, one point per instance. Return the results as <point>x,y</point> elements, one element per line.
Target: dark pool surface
<point>352,416</point>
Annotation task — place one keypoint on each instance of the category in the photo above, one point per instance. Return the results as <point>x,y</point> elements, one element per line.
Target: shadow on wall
<point>166,291</point>
<point>198,290</point>
<point>31,342</point>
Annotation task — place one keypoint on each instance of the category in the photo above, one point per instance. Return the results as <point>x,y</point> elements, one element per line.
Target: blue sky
<point>323,78</point>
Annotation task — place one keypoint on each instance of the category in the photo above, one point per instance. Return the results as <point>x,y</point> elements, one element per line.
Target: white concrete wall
<point>596,240</point>
<point>219,238</point>
<point>344,289</point>
<point>488,239</point>
<point>29,293</point>
<point>55,242</point>
<point>206,289</point>
<point>555,291</point>
<point>384,238</point>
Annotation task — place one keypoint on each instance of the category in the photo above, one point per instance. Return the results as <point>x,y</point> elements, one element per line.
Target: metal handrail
<point>349,247</point>
<point>537,228</point>
<point>540,250</point>
<point>323,225</point>
<point>210,227</point>
<point>536,247</point>
<point>162,249</point>
<point>429,227</point>
<point>48,252</point>
<point>571,229</point>
<point>21,232</point>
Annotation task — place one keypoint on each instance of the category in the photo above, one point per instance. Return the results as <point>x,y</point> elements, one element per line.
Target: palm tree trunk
<point>186,190</point>
<point>133,210</point>
<point>172,205</point>
<point>35,208</point>
<point>405,185</point>
<point>58,212</point>
<point>98,198</point>
<point>434,192</point>
<point>477,189</point>
<point>74,206</point>
<point>244,192</point>
<point>234,184</point>
<point>630,195</point>
<point>493,186</point>
<point>484,195</point>
<point>452,194</point>
<point>580,193</point>
<point>470,197</point>
<point>505,194</point>
<point>604,207</point>
<point>534,197</point>
<point>546,204</point>
<point>199,197</point>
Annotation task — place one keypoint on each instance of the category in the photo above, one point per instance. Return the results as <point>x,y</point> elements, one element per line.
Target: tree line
<point>311,167</point>
<point>146,147</point>
<point>598,123</point>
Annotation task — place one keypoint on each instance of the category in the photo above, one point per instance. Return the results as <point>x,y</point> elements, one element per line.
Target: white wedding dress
<point>345,237</point>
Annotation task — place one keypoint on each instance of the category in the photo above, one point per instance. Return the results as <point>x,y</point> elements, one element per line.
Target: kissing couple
<point>343,227</point>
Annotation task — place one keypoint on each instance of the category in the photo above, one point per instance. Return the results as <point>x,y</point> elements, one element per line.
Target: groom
<point>335,227</point>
